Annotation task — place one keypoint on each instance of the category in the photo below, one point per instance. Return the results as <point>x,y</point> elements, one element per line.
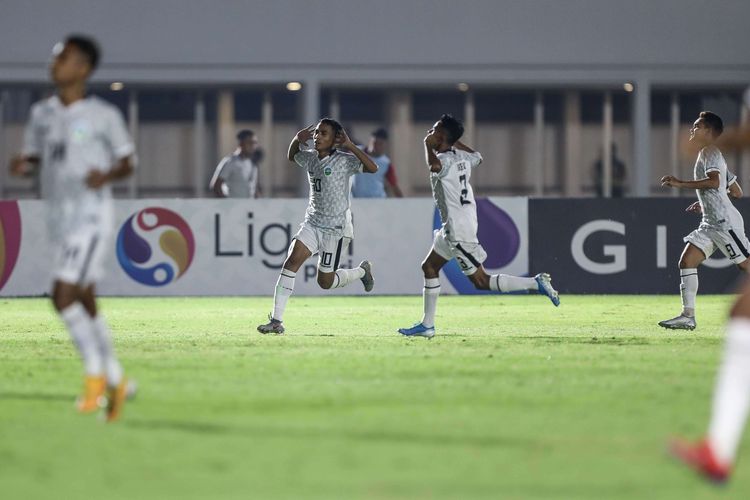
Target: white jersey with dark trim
<point>329,177</point>
<point>718,210</point>
<point>454,196</point>
<point>71,141</point>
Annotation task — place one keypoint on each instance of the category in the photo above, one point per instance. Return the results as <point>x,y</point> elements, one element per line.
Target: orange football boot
<point>93,391</point>
<point>117,397</point>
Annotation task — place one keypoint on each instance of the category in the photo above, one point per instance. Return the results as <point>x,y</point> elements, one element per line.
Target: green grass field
<point>512,399</point>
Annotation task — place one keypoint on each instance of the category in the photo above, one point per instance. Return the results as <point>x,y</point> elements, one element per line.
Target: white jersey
<point>718,210</point>
<point>239,174</point>
<point>70,142</point>
<point>329,207</point>
<point>454,196</point>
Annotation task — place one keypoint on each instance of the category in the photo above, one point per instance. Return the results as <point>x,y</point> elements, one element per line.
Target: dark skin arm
<point>433,162</point>
<point>302,137</point>
<point>710,182</point>
<point>97,178</point>
<point>23,165</point>
<point>463,147</point>
<point>368,166</point>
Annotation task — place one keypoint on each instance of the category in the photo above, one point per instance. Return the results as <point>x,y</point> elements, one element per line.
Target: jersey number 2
<point>464,190</point>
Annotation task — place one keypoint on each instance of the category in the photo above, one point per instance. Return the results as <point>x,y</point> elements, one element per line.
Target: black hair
<point>244,134</point>
<point>713,122</point>
<point>453,127</point>
<point>86,46</point>
<point>336,126</point>
<point>380,133</point>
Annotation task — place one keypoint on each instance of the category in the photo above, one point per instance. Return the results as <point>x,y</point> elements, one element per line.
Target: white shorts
<point>79,257</point>
<point>732,243</point>
<point>328,246</point>
<point>468,255</point>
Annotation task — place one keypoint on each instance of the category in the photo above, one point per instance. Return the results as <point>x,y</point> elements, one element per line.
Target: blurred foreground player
<point>451,163</point>
<point>715,455</point>
<point>327,227</point>
<point>722,225</point>
<point>80,145</point>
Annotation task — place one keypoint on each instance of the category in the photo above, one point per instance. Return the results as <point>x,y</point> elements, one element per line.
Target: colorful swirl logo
<point>152,226</point>
<point>10,239</point>
<point>498,235</point>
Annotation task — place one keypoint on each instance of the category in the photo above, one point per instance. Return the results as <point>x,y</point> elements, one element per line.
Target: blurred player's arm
<point>302,137</point>
<point>735,190</point>
<point>122,169</point>
<point>711,181</point>
<point>23,165</point>
<point>734,139</point>
<point>433,162</point>
<point>368,166</point>
<point>463,147</point>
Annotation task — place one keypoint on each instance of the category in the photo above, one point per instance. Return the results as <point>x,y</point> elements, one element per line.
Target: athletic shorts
<point>732,242</point>
<point>328,246</point>
<point>79,257</point>
<point>468,255</point>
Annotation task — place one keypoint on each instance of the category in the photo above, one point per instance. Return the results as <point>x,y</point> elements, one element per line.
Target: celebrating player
<point>80,144</point>
<point>451,163</point>
<point>722,225</point>
<point>327,228</point>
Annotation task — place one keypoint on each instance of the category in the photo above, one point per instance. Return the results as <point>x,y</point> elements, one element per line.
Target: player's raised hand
<point>305,134</point>
<point>343,140</point>
<point>96,179</point>
<point>431,141</point>
<point>670,181</point>
<point>19,166</point>
<point>695,208</point>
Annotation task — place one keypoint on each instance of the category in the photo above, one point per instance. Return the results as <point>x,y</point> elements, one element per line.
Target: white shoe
<point>679,323</point>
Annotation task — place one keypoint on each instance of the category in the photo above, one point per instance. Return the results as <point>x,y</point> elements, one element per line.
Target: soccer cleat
<point>544,284</point>
<point>273,326</point>
<point>367,280</point>
<point>93,394</point>
<point>679,323</point>
<point>700,458</point>
<point>117,397</point>
<point>418,330</point>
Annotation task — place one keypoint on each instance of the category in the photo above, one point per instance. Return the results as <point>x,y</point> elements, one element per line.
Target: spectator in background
<point>376,185</point>
<point>618,175</point>
<point>236,176</point>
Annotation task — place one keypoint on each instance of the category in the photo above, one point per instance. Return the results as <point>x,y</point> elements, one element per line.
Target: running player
<point>722,225</point>
<point>451,163</point>
<point>327,227</point>
<point>80,145</point>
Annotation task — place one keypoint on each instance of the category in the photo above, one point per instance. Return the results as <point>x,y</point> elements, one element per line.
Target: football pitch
<point>512,399</point>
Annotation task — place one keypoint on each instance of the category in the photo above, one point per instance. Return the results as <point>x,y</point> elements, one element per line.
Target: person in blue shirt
<point>383,182</point>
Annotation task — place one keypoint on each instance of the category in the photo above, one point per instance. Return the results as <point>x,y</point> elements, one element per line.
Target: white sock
<point>284,289</point>
<point>345,276</point>
<point>78,322</point>
<point>430,295</point>
<point>112,368</point>
<point>507,283</point>
<point>732,392</point>
<point>688,290</point>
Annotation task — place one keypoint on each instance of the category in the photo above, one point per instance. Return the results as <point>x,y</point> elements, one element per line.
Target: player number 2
<point>464,191</point>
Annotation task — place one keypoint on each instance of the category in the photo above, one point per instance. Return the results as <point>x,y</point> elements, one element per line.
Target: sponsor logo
<point>10,239</point>
<point>498,235</point>
<point>155,246</point>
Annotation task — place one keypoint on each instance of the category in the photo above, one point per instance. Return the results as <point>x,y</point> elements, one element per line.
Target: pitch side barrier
<point>236,247</point>
<point>629,246</point>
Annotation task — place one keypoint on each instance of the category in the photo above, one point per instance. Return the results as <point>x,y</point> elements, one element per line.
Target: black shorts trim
<point>739,245</point>
<point>338,254</point>
<point>468,256</point>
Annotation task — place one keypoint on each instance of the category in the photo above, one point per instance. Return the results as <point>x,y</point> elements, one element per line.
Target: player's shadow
<point>375,436</point>
<point>35,396</point>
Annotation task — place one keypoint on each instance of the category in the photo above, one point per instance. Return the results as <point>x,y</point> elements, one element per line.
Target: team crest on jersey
<point>81,130</point>
<point>327,171</point>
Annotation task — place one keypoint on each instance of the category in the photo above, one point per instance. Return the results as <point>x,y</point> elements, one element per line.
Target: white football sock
<point>345,276</point>
<point>284,289</point>
<point>732,392</point>
<point>78,322</point>
<point>112,368</point>
<point>507,283</point>
<point>430,295</point>
<point>688,290</point>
